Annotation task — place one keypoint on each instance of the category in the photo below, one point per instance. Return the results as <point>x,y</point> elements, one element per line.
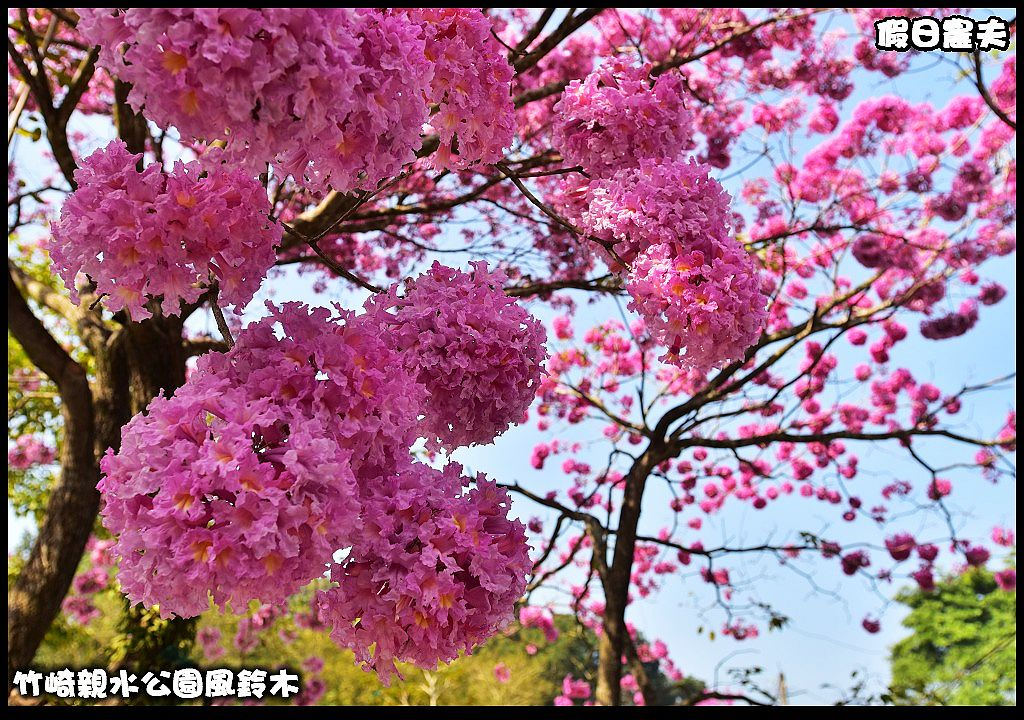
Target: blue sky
<point>824,643</point>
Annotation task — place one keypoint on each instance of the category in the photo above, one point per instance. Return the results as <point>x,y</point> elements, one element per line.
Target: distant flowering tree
<point>549,157</point>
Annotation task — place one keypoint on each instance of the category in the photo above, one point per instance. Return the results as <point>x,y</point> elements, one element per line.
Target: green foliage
<point>28,491</point>
<point>669,692</point>
<point>963,650</point>
<point>145,640</point>
<point>32,409</point>
<point>31,397</point>
<point>69,644</point>
<point>533,679</point>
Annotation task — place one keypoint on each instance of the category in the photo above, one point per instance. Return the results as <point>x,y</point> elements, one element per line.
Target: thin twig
<point>222,324</point>
<point>979,81</point>
<point>334,266</point>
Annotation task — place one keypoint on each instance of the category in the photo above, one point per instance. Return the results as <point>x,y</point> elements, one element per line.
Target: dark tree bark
<point>615,642</point>
<point>132,364</point>
<point>36,595</point>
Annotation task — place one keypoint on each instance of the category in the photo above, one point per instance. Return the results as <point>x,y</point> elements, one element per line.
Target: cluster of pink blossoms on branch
<point>79,604</point>
<point>615,116</point>
<point>665,218</point>
<point>475,349</point>
<point>470,82</point>
<point>148,235</point>
<point>239,485</point>
<point>435,569</point>
<point>286,449</point>
<point>336,97</point>
<point>29,451</point>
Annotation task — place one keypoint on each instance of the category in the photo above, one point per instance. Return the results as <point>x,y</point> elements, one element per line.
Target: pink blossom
<point>706,308</point>
<point>475,349</point>
<point>243,484</point>
<point>939,488</point>
<point>616,117</point>
<point>153,235</point>
<point>900,546</point>
<point>434,569</point>
<point>976,555</point>
<point>656,203</point>
<point>335,97</point>
<point>538,617</point>
<point>209,639</point>
<point>1006,579</point>
<point>80,609</point>
<point>991,294</point>
<point>575,689</point>
<point>313,689</point>
<point>854,561</point>
<point>471,85</point>
<point>28,451</point>
<point>952,324</point>
<point>928,553</point>
<point>501,673</point>
<point>924,578</point>
<point>1004,536</point>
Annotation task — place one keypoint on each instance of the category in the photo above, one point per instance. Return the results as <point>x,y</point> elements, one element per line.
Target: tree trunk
<point>132,365</point>
<point>612,644</point>
<point>36,595</point>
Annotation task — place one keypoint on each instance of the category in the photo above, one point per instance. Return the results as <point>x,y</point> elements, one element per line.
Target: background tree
<point>963,645</point>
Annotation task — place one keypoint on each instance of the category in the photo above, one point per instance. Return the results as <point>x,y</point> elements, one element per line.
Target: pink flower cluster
<point>151,235</point>
<point>663,218</point>
<point>290,446</point>
<point>697,289</point>
<point>502,673</point>
<point>952,324</point>
<point>616,116</point>
<point>335,97</point>
<point>900,546</point>
<point>1006,579</point>
<point>476,350</point>
<point>723,309</point>
<point>571,59</point>
<point>657,203</point>
<point>28,451</point>
<point>435,569</point>
<point>871,625</point>
<point>332,96</point>
<point>253,626</point>
<point>242,484</point>
<point>209,640</point>
<point>572,690</point>
<point>471,86</point>
<point>533,616</point>
<point>79,605</point>
<point>1004,537</point>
